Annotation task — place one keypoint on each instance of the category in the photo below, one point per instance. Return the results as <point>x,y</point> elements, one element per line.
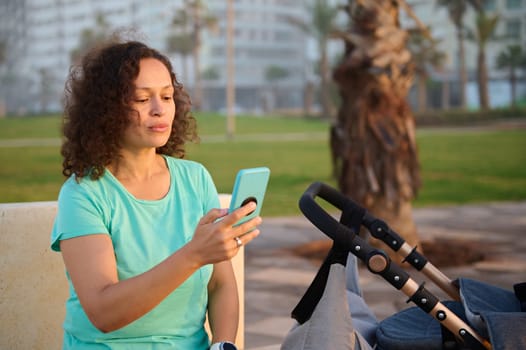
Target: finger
<point>213,215</point>
<point>239,213</point>
<point>247,237</point>
<point>247,227</point>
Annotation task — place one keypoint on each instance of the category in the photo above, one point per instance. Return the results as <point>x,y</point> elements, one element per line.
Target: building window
<point>513,29</point>
<point>513,4</point>
<point>490,5</point>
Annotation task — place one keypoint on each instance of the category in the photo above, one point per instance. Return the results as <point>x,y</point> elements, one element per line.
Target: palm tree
<point>192,21</point>
<point>512,58</point>
<point>3,59</point>
<point>373,142</point>
<point>273,74</point>
<point>456,10</point>
<point>183,45</point>
<point>484,28</point>
<point>3,51</point>
<point>91,37</point>
<point>321,26</point>
<point>425,55</point>
<point>210,73</point>
<point>46,93</point>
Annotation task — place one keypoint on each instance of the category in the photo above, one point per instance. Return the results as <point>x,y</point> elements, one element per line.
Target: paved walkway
<point>275,280</point>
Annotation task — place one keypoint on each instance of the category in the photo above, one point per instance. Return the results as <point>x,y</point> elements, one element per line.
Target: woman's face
<point>155,106</point>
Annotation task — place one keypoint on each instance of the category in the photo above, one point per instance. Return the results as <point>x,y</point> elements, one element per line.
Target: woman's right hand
<point>215,235</point>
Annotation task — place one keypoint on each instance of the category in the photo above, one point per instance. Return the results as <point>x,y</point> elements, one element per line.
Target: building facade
<point>264,40</point>
<point>510,30</point>
<point>39,37</point>
<point>42,34</point>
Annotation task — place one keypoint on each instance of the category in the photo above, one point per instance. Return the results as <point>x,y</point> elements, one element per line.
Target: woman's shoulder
<point>83,186</point>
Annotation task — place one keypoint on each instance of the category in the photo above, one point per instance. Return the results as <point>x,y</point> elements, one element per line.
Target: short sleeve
<point>80,213</point>
<point>211,197</point>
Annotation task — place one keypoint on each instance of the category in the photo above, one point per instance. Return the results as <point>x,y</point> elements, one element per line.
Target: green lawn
<point>472,166</point>
<point>459,166</point>
<point>29,127</point>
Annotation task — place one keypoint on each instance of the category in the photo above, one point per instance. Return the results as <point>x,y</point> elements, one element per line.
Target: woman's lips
<point>159,127</point>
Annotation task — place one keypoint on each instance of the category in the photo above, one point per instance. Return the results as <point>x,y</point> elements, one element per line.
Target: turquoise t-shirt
<point>143,234</point>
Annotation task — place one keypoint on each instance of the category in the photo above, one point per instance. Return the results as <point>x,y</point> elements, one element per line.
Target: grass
<point>472,166</point>
<point>458,166</point>
<point>30,127</point>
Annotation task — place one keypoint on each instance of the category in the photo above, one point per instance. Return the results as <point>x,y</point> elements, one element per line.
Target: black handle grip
<point>339,233</point>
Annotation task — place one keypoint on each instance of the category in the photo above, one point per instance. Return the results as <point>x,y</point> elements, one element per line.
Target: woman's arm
<point>111,304</point>
<point>223,303</point>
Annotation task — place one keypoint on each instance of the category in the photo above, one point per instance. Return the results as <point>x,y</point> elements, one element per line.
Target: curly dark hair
<point>97,108</point>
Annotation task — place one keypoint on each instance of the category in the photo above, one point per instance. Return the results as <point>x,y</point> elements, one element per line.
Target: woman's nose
<point>157,108</point>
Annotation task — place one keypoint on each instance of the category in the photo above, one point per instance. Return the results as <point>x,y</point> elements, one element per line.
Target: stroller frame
<point>346,240</point>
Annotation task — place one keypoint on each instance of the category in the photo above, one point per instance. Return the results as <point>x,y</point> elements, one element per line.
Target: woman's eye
<point>141,100</point>
<point>168,97</point>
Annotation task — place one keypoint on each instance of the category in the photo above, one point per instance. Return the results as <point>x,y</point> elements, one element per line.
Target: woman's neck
<point>137,166</point>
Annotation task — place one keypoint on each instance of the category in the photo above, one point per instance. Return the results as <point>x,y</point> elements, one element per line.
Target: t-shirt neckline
<point>116,181</point>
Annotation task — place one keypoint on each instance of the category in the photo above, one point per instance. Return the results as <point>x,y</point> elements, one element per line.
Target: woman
<point>137,226</point>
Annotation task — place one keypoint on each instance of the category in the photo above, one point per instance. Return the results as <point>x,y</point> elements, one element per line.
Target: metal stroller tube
<point>380,230</point>
<point>379,262</point>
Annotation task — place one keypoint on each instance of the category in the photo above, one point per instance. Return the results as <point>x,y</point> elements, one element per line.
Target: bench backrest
<point>33,286</point>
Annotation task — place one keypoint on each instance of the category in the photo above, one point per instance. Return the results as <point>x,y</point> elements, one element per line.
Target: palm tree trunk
<point>482,76</point>
<point>230,71</point>
<point>198,89</point>
<point>325,93</point>
<point>513,85</point>
<point>462,68</point>
<point>184,58</point>
<point>3,110</point>
<point>422,92</point>
<point>308,93</point>
<point>445,94</point>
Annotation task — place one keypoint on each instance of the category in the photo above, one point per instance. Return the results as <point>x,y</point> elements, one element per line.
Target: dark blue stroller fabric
<point>507,330</point>
<point>480,298</point>
<point>494,312</point>
<point>413,329</point>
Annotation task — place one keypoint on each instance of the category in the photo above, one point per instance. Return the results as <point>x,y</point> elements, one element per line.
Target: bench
<point>33,286</point>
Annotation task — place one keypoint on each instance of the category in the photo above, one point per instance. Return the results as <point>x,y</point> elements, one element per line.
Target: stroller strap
<point>520,293</point>
<point>337,255</point>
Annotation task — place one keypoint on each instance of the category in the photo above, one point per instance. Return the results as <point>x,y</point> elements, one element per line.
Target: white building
<point>43,33</point>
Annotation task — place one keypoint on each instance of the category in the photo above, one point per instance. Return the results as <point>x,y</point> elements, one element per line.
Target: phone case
<point>250,185</point>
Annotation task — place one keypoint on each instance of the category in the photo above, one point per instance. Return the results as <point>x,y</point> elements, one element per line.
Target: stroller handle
<point>343,235</point>
<point>338,232</point>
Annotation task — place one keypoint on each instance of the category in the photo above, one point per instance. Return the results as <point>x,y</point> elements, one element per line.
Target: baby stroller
<point>477,316</point>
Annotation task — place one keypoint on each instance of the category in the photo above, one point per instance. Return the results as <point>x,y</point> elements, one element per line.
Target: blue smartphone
<point>250,186</point>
